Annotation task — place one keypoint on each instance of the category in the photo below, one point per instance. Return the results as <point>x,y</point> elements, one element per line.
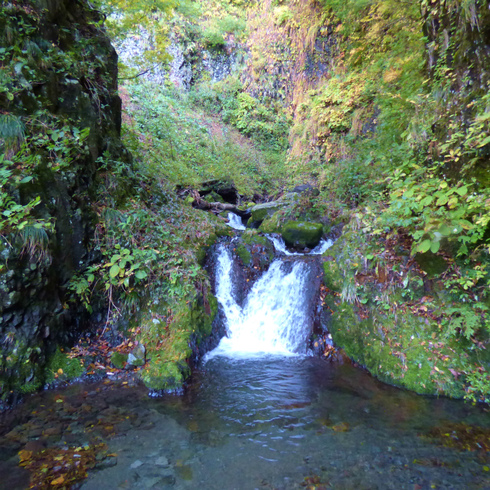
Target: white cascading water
<point>235,222</point>
<point>280,246</point>
<point>272,319</point>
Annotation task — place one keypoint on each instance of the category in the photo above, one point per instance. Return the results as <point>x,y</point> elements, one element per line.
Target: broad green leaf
<point>424,246</point>
<point>462,191</point>
<point>434,247</point>
<point>140,275</point>
<point>465,224</point>
<point>114,271</point>
<point>484,142</point>
<point>442,200</point>
<point>453,202</point>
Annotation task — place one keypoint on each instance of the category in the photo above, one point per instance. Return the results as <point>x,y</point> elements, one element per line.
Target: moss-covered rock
<point>171,331</point>
<point>302,234</point>
<point>395,347</point>
<point>220,230</point>
<point>119,360</point>
<point>61,367</point>
<point>374,320</point>
<point>254,250</point>
<point>68,87</point>
<point>272,224</point>
<point>261,211</point>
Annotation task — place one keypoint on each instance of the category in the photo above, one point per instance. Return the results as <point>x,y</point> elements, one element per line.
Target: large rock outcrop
<point>60,123</point>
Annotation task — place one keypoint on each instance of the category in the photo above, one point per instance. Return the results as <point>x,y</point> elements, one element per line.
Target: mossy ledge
<point>393,327</point>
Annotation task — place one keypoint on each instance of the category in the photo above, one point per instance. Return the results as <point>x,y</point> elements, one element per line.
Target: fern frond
<point>11,132</point>
<point>35,242</point>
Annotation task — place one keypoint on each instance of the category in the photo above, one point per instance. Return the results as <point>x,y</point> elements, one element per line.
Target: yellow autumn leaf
<point>25,455</point>
<point>58,481</point>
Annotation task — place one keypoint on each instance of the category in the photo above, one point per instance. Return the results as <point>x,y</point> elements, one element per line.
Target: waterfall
<point>275,316</point>
<point>280,246</point>
<point>235,222</point>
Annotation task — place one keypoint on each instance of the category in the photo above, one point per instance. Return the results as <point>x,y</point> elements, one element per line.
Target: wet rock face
<point>255,253</point>
<point>36,313</point>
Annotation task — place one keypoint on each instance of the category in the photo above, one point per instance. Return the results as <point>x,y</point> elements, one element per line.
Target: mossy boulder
<point>272,224</point>
<point>254,250</point>
<point>261,211</point>
<point>171,332</point>
<point>394,348</point>
<point>302,234</point>
<point>375,327</point>
<point>119,360</point>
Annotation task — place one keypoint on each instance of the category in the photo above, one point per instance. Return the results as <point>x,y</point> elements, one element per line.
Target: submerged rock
<point>301,234</point>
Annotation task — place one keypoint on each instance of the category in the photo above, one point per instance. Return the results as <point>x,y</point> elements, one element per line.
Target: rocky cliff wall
<point>60,121</point>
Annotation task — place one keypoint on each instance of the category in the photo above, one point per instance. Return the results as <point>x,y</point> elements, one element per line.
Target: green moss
<point>30,387</point>
<point>244,254</point>
<point>396,349</point>
<point>164,375</point>
<point>168,331</point>
<point>261,211</point>
<point>302,234</point>
<point>271,224</point>
<point>64,367</point>
<point>332,276</point>
<point>254,249</point>
<point>119,360</point>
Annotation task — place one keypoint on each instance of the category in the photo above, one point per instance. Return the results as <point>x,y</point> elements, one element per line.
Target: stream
<point>260,413</point>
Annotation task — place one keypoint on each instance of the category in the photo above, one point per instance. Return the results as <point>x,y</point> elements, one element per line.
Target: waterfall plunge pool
<point>259,413</point>
<point>268,423</point>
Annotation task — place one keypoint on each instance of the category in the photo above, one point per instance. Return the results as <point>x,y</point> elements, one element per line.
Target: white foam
<point>235,222</point>
<point>280,246</point>
<point>272,320</point>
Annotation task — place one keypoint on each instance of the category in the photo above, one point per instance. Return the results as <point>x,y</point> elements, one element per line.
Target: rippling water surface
<point>266,423</point>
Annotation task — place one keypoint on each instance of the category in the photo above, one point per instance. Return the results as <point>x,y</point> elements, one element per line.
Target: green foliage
<point>433,209</point>
<point>282,14</point>
<point>213,39</point>
<point>268,125</point>
<point>126,17</point>
<point>16,220</point>
<point>214,36</point>
<point>185,146</point>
